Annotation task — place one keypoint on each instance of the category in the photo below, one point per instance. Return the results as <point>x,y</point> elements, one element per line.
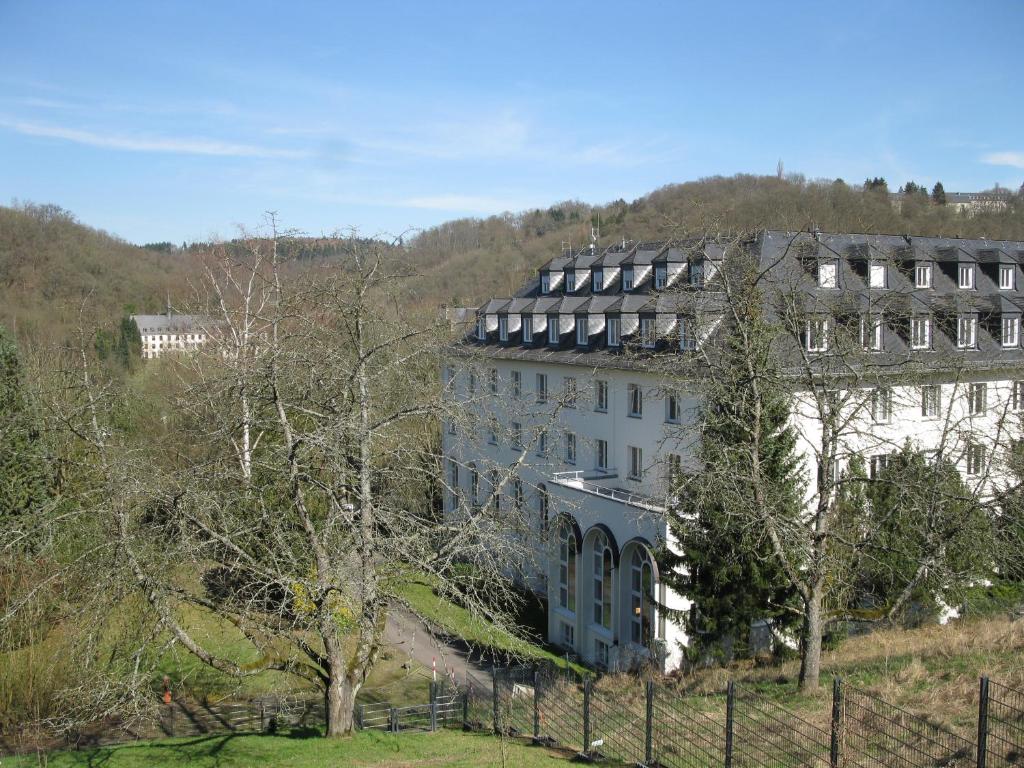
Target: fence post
<point>837,711</point>
<point>536,706</point>
<point>730,705</point>
<point>465,711</point>
<point>587,685</point>
<point>495,704</point>
<point>392,720</point>
<point>263,716</point>
<point>359,717</point>
<point>649,725</point>
<point>983,722</point>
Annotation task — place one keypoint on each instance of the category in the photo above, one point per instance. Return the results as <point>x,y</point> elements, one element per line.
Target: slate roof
<point>171,323</point>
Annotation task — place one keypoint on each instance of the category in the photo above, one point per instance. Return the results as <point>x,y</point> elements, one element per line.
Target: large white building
<point>570,383</point>
<point>170,332</point>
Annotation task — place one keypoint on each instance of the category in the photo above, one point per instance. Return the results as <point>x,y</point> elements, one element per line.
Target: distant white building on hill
<point>171,333</point>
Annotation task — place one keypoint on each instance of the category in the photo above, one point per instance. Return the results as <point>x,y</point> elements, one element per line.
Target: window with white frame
<point>1007,277</point>
<point>597,280</point>
<point>636,463</point>
<point>871,333</point>
<point>660,276</point>
<point>977,398</point>
<point>967,332</point>
<point>675,469</point>
<point>474,485</point>
<point>647,332</point>
<point>931,400</point>
<point>542,442</point>
<point>503,327</point>
<point>481,327</point>
<point>876,275</point>
<point>553,336</point>
<point>582,332</point>
<point>600,653</point>
<point>543,506</point>
<point>1017,396</point>
<point>1011,331</point>
<point>687,336</point>
<point>570,280</point>
<point>542,388</point>
<point>613,328</point>
<point>923,274</point>
<point>570,447</point>
<point>636,400</point>
<point>601,395</point>
<point>627,278</point>
<point>697,273</point>
<point>567,568</point>
<point>517,384</point>
<point>602,569</point>
<point>641,583</point>
<point>568,635</point>
<point>672,409</point>
<point>881,405</point>
<point>920,332</point>
<point>975,459</point>
<point>966,276</point>
<point>527,329</point>
<point>517,492</point>
<point>570,392</point>
<point>601,454</point>
<point>816,334</point>
<point>877,465</point>
<point>493,486</point>
<point>828,274</point>
<point>453,482</point>
<point>545,282</point>
<point>517,435</point>
<point>492,380</point>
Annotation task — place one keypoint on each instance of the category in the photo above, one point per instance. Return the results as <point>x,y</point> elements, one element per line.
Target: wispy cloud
<point>1011,159</point>
<point>160,144</point>
<point>471,203</point>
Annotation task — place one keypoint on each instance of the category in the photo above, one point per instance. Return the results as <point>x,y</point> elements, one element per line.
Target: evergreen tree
<point>129,343</point>
<point>938,194</point>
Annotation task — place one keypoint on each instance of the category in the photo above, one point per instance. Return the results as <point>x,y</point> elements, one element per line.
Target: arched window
<point>602,581</point>
<point>453,481</point>
<point>641,629</point>
<point>517,494</point>
<point>474,485</point>
<point>567,568</point>
<point>543,506</point>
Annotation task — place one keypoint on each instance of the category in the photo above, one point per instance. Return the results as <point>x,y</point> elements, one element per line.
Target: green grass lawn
<point>444,748</point>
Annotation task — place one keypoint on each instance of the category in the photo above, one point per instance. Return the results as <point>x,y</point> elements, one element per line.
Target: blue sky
<point>179,120</point>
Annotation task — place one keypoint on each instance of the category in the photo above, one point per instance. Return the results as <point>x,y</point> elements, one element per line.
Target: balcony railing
<point>579,480</point>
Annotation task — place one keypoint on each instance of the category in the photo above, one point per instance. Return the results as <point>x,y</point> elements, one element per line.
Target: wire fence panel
<point>618,721</point>
<point>767,735</point>
<point>478,707</point>
<point>685,736</point>
<point>1005,726</point>
<point>877,733</point>
<point>515,700</point>
<point>560,704</point>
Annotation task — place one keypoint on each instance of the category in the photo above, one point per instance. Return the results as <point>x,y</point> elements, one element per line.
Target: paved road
<point>412,638</point>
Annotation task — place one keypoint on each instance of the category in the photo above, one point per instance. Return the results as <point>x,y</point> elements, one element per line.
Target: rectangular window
<point>1007,274</point>
<point>597,280</point>
<point>921,333</point>
<point>931,395</point>
<point>878,464</point>
<point>542,387</point>
<point>977,398</point>
<point>923,275</point>
<point>517,435</point>
<point>675,469</point>
<point>602,455</point>
<point>687,337</point>
<point>517,384</point>
<point>568,635</point>
<point>553,329</point>
<point>600,653</point>
<point>472,383</point>
<point>871,333</point>
<point>672,409</point>
<point>975,459</point>
<point>881,405</point>
<point>570,280</point>
<point>647,332</point>
<point>451,426</point>
<point>481,327</point>
<point>697,273</point>
<point>636,463</point>
<point>570,447</point>
<point>449,377</point>
<point>876,275</point>
<point>627,278</point>
<point>966,273</point>
<point>1017,396</point>
<point>503,327</point>
<point>636,401</point>
<point>1011,331</point>
<point>828,274</point>
<point>967,332</point>
<point>542,443</point>
<point>569,392</point>
<point>582,332</point>
<point>660,276</point>
<point>545,282</point>
<point>527,329</point>
<point>614,337</point>
<point>492,431</point>
<point>816,335</point>
<point>492,380</point>
<point>601,395</point>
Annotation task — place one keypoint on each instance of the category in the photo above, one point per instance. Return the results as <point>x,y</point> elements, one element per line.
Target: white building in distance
<point>575,371</point>
<point>171,333</point>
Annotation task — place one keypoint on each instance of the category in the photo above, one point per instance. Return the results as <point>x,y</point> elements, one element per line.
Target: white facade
<point>170,333</point>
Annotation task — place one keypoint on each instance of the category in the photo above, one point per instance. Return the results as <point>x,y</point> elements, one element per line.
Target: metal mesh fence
<point>686,736</point>
<point>1003,725</point>
<point>618,716</point>
<point>767,734</point>
<point>560,708</point>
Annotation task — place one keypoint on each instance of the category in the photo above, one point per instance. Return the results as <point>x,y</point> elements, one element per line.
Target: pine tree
<point>938,194</point>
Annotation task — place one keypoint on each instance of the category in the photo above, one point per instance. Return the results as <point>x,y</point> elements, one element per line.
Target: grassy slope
<point>448,748</point>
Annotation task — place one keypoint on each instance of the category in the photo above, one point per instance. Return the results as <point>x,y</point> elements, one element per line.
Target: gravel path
<point>412,638</point>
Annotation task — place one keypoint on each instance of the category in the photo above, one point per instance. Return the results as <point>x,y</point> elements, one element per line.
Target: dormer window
<point>627,278</point>
<point>503,327</point>
<point>966,273</point>
<point>527,329</point>
<point>923,275</point>
<point>1007,275</point>
<point>545,282</point>
<point>816,335</point>
<point>660,276</point>
<point>597,280</point>
<point>570,280</point>
<point>697,273</point>
<point>967,332</point>
<point>876,275</point>
<point>553,329</point>
<point>828,274</point>
<point>614,332</point>
<point>1011,331</point>
<point>647,332</point>
<point>481,327</point>
<point>582,333</point>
